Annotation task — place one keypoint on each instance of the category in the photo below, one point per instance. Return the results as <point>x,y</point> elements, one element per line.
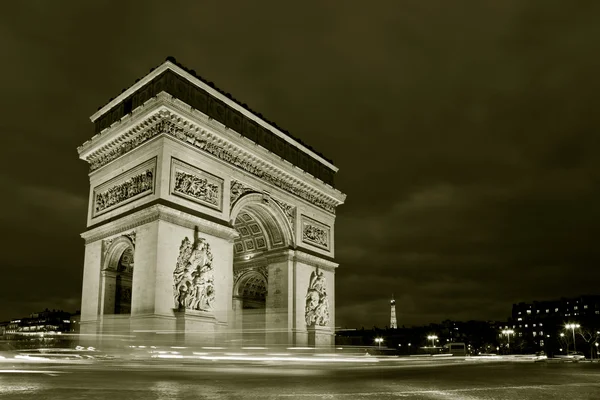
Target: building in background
<point>541,325</point>
<point>554,327</point>
<point>48,328</point>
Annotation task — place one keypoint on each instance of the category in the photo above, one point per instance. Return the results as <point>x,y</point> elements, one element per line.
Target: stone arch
<point>270,215</point>
<point>117,276</point>
<point>251,285</point>
<point>115,251</point>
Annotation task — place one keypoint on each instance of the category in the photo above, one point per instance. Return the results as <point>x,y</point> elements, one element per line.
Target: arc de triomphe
<point>205,221</point>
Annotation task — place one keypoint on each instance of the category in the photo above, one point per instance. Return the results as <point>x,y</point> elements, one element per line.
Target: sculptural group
<point>193,276</point>
<point>317,303</point>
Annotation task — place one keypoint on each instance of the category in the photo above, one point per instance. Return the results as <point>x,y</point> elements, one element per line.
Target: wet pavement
<point>386,380</point>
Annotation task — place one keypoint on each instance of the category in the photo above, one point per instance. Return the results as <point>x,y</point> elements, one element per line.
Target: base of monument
<point>195,328</point>
<point>320,336</point>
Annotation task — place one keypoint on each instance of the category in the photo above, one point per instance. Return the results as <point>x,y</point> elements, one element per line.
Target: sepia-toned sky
<point>466,133</point>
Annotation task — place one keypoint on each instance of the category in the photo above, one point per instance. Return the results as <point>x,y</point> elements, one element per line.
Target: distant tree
<point>590,336</point>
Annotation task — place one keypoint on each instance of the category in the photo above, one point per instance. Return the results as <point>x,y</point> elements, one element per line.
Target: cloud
<point>465,135</point>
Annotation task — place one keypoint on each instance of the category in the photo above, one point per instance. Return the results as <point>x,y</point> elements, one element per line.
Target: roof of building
<point>229,96</point>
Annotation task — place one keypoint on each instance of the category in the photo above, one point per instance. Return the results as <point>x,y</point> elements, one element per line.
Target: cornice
<point>171,117</point>
<point>189,77</point>
<point>163,213</point>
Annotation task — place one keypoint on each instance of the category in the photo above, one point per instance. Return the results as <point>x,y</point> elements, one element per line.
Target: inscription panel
<point>315,233</point>
<point>131,185</point>
<point>196,185</point>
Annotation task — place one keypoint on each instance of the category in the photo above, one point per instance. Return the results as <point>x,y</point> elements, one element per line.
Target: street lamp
<point>572,327</point>
<point>508,332</point>
<point>432,338</point>
<point>597,355</point>
<point>378,341</point>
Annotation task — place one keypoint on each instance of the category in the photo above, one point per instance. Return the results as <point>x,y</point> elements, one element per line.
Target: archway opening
<point>123,282</point>
<point>250,299</point>
<point>117,277</point>
<point>262,231</point>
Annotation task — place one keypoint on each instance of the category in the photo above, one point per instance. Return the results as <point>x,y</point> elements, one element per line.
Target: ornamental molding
<point>106,243</point>
<point>315,261</point>
<point>240,272</point>
<point>288,210</point>
<point>316,233</point>
<point>268,257</point>
<point>163,213</point>
<point>129,186</point>
<point>196,185</point>
<point>163,121</point>
<point>237,190</point>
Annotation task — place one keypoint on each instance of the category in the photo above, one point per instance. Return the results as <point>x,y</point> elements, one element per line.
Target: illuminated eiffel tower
<point>393,323</point>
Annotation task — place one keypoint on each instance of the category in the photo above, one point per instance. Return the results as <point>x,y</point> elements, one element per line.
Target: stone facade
<point>225,235</point>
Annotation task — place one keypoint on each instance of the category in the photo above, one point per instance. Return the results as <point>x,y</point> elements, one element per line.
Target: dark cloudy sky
<point>466,133</point>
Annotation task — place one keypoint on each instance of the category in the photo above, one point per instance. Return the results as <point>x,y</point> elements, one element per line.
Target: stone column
<point>279,303</point>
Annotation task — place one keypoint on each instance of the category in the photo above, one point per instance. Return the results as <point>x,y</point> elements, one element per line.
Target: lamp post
<point>597,355</point>
<point>432,338</point>
<point>572,327</point>
<point>508,332</point>
<point>378,341</point>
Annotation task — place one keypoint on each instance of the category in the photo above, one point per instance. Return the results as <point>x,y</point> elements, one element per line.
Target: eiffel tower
<point>393,323</point>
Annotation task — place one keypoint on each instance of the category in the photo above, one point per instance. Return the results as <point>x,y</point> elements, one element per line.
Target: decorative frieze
<point>238,189</point>
<point>315,233</point>
<point>199,139</point>
<point>193,278</point>
<point>317,303</point>
<point>127,187</point>
<point>197,185</point>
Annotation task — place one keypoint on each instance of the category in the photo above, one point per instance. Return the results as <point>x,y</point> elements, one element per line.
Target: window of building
<point>519,319</point>
<point>585,306</point>
<point>547,310</point>
<point>540,324</point>
<point>528,311</point>
<point>542,333</point>
<point>525,325</point>
<point>520,334</point>
<point>534,334</point>
<point>519,312</point>
<point>597,312</point>
<point>533,324</point>
<point>541,342</point>
<point>575,308</point>
<point>556,309</point>
<point>537,311</point>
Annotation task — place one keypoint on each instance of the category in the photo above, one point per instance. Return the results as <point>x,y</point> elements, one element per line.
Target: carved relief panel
<point>196,185</point>
<point>193,278</point>
<point>315,233</point>
<point>125,188</point>
<point>238,189</point>
<point>317,302</point>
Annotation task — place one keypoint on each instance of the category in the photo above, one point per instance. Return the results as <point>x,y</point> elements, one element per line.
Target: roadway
<point>387,379</point>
